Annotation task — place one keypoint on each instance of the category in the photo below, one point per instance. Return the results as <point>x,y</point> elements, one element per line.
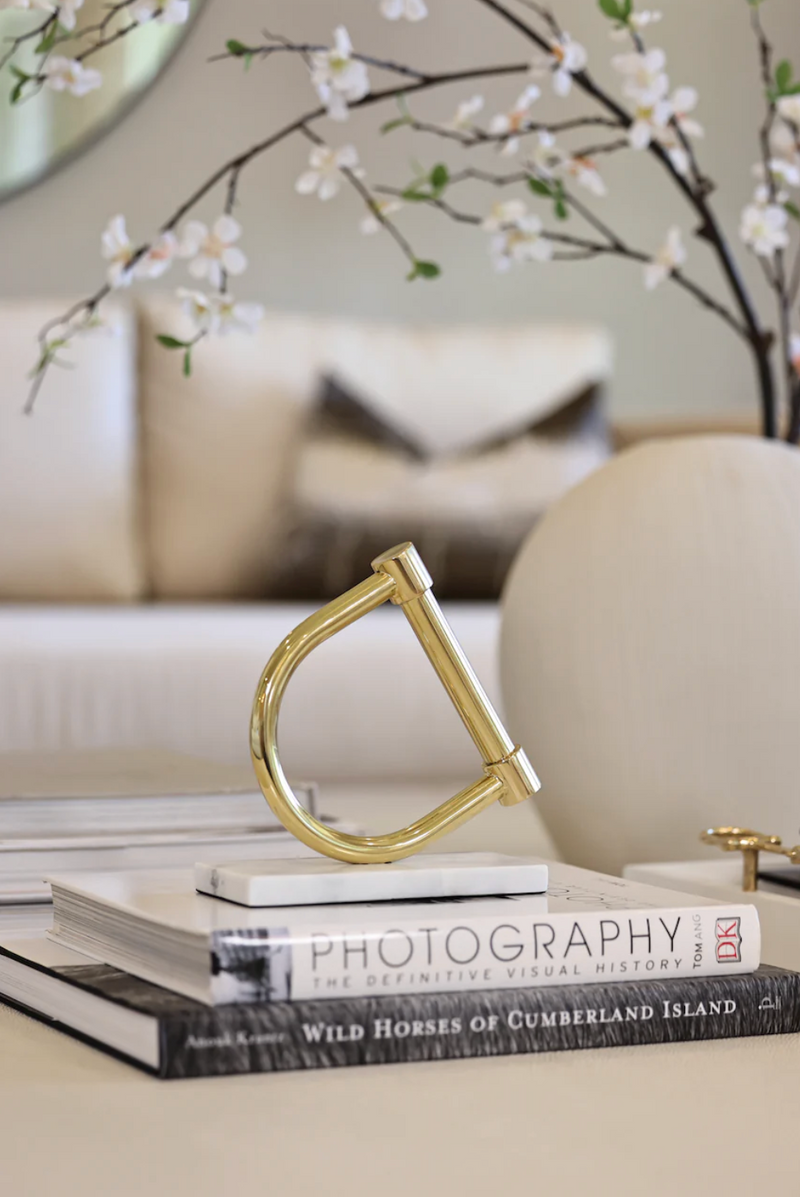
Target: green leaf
<point>240,50</point>
<point>792,209</point>
<point>397,123</point>
<point>22,78</point>
<point>413,196</point>
<point>170,342</point>
<point>611,9</point>
<point>439,177</point>
<point>49,39</point>
<point>424,270</point>
<point>187,363</point>
<point>627,9</point>
<point>783,75</point>
<point>539,187</point>
<point>560,206</point>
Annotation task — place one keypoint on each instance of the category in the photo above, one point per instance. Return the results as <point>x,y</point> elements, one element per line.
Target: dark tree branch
<point>607,248</point>
<point>709,229</point>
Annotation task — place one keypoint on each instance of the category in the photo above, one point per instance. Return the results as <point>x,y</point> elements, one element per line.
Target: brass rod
<point>458,678</point>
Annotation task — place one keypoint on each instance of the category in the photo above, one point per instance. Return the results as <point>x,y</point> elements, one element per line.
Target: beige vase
<point>650,650</point>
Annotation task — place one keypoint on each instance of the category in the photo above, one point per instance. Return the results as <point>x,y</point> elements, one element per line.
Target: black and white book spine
<point>277,1037</point>
<point>433,953</point>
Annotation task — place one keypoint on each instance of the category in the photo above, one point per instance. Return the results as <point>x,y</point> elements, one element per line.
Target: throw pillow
<point>362,484</point>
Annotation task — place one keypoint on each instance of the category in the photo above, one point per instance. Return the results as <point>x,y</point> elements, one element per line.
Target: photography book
<point>587,928</point>
<point>173,1036</point>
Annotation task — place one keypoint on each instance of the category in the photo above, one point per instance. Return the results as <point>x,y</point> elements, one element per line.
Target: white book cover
<point>587,928</point>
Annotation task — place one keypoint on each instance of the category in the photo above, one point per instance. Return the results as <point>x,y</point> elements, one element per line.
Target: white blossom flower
<point>763,228</point>
<point>586,174</point>
<point>684,100</point>
<point>339,78</point>
<point>675,112</point>
<point>158,258</point>
<point>68,13</point>
<point>566,58</point>
<point>545,158</point>
<point>466,110</point>
<point>510,124</point>
<point>166,12</point>
<point>412,10</point>
<point>645,80</point>
<point>671,255</point>
<point>220,314</point>
<point>650,124</point>
<point>789,108</point>
<point>213,251</point>
<point>637,21</point>
<point>504,214</point>
<point>794,351</point>
<point>67,74</point>
<point>37,5</point>
<point>118,251</point>
<point>371,223</point>
<point>781,173</point>
<point>325,178</point>
<point>784,166</point>
<point>516,235</point>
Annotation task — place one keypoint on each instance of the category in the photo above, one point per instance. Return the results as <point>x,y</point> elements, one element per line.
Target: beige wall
<point>671,355</point>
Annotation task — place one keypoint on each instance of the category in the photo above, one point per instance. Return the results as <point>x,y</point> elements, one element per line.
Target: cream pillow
<point>363,484</point>
<point>218,450</point>
<point>68,472</point>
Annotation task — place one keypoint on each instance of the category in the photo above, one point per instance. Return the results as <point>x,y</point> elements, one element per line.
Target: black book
<point>173,1036</point>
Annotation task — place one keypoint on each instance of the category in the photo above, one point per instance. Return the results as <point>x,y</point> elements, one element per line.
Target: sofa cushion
<point>218,450</point>
<point>366,704</point>
<point>69,526</point>
<point>363,485</point>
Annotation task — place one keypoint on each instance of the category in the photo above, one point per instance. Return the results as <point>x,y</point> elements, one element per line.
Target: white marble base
<point>318,881</point>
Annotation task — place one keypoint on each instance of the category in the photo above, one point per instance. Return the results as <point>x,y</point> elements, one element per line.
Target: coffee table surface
<point>700,1118</point>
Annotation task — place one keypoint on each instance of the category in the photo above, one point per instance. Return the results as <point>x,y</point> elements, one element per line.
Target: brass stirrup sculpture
<point>400,577</point>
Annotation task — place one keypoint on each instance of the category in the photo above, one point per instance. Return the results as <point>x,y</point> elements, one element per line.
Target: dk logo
<point>729,941</point>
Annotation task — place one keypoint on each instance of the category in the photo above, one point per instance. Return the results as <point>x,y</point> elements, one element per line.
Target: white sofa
<point>131,492</point>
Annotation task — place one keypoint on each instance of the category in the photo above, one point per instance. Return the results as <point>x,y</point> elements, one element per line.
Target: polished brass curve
<point>400,577</point>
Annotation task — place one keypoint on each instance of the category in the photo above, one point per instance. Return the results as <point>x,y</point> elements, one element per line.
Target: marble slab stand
<point>318,881</point>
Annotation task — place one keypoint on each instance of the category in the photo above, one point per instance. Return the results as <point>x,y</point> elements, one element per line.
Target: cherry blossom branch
<point>89,306</point>
<point>709,229</point>
<point>19,40</point>
<point>779,280</point>
<point>304,49</point>
<point>479,137</point>
<point>613,246</point>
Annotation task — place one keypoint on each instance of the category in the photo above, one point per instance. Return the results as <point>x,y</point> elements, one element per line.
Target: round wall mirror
<point>43,131</point>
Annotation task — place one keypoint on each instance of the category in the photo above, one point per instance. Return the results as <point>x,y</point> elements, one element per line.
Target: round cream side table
<point>650,651</point>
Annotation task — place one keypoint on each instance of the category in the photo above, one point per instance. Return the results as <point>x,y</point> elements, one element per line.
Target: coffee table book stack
<point>188,985</point>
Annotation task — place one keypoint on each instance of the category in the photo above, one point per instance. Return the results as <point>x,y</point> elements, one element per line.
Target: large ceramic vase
<point>651,650</point>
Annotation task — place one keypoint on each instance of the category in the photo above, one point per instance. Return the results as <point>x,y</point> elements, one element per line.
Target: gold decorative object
<point>750,844</point>
<point>400,577</point>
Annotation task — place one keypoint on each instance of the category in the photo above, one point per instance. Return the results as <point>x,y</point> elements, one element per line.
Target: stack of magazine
<point>190,985</point>
<point>121,810</point>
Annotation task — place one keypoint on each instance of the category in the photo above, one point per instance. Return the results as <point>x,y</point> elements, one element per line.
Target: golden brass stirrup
<point>401,578</point>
